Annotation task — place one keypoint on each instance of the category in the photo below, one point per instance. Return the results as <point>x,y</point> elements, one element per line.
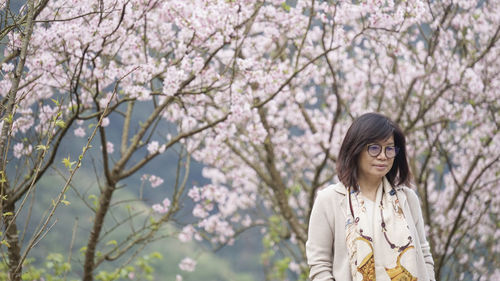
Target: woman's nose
<point>382,155</point>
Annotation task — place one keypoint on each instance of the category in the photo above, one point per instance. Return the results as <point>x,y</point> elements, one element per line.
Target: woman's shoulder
<point>410,192</point>
<point>332,191</point>
<point>411,195</point>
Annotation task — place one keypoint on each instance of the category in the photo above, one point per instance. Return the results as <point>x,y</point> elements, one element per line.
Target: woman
<point>369,226</point>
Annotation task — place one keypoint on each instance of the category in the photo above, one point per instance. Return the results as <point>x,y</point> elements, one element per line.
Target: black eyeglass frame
<point>396,150</point>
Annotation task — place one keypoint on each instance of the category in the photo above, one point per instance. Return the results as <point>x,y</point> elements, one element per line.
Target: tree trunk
<point>102,210</point>
<point>12,238</point>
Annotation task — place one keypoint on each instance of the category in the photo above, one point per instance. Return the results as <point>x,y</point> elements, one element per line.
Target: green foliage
<point>3,180</point>
<point>8,118</point>
<point>112,242</point>
<point>42,147</point>
<point>94,199</point>
<point>285,6</point>
<point>68,163</point>
<point>268,252</point>
<point>293,190</point>
<point>277,230</point>
<point>8,214</point>
<point>4,242</point>
<point>56,102</point>
<point>56,268</point>
<point>55,262</point>
<point>60,123</point>
<point>304,274</point>
<point>143,270</point>
<point>279,269</point>
<point>209,267</point>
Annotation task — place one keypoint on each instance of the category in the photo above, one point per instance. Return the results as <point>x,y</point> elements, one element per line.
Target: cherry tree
<point>89,68</point>
<point>306,70</point>
<point>261,93</point>
<point>13,62</point>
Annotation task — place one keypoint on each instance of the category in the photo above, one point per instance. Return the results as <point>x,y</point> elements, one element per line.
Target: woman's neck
<point>369,187</point>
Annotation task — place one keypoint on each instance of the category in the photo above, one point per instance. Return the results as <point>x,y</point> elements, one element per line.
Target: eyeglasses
<point>374,150</point>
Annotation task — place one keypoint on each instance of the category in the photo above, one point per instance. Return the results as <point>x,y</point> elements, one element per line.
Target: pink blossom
<point>155,181</point>
<point>109,147</point>
<point>371,55</point>
<point>216,225</point>
<point>293,266</point>
<point>105,122</point>
<point>199,211</point>
<point>247,221</point>
<point>103,102</point>
<point>7,67</point>
<point>153,147</point>
<point>162,208</point>
<point>28,149</point>
<point>20,150</point>
<point>23,123</point>
<point>187,264</point>
<point>79,132</point>
<point>46,114</point>
<point>186,235</point>
<point>198,237</point>
<point>194,193</point>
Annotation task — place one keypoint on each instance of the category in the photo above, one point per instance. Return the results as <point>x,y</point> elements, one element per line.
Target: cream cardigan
<point>326,247</point>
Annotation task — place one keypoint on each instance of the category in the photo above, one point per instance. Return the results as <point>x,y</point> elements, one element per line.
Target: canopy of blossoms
<point>262,93</point>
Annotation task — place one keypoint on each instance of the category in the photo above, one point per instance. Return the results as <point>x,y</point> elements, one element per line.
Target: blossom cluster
<point>262,94</point>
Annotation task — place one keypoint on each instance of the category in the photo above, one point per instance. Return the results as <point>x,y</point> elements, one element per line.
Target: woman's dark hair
<point>366,129</point>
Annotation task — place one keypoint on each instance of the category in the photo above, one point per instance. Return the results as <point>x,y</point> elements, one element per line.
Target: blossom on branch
<point>187,264</point>
<point>162,208</point>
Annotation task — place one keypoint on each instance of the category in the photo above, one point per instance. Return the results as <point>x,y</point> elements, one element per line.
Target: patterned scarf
<point>385,251</point>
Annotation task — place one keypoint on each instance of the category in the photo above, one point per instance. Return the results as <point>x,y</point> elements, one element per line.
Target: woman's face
<point>374,168</point>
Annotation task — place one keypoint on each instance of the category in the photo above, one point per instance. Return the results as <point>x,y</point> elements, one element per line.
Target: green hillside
<point>74,220</point>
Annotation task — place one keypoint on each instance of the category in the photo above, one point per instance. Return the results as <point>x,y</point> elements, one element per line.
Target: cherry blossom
<point>162,208</point>
<point>187,233</point>
<point>262,94</point>
<point>153,147</point>
<point>79,132</point>
<point>20,149</point>
<point>105,122</point>
<point>187,264</point>
<point>110,149</point>
<point>155,181</point>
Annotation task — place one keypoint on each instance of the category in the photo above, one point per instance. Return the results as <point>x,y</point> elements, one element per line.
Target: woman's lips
<point>380,167</point>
